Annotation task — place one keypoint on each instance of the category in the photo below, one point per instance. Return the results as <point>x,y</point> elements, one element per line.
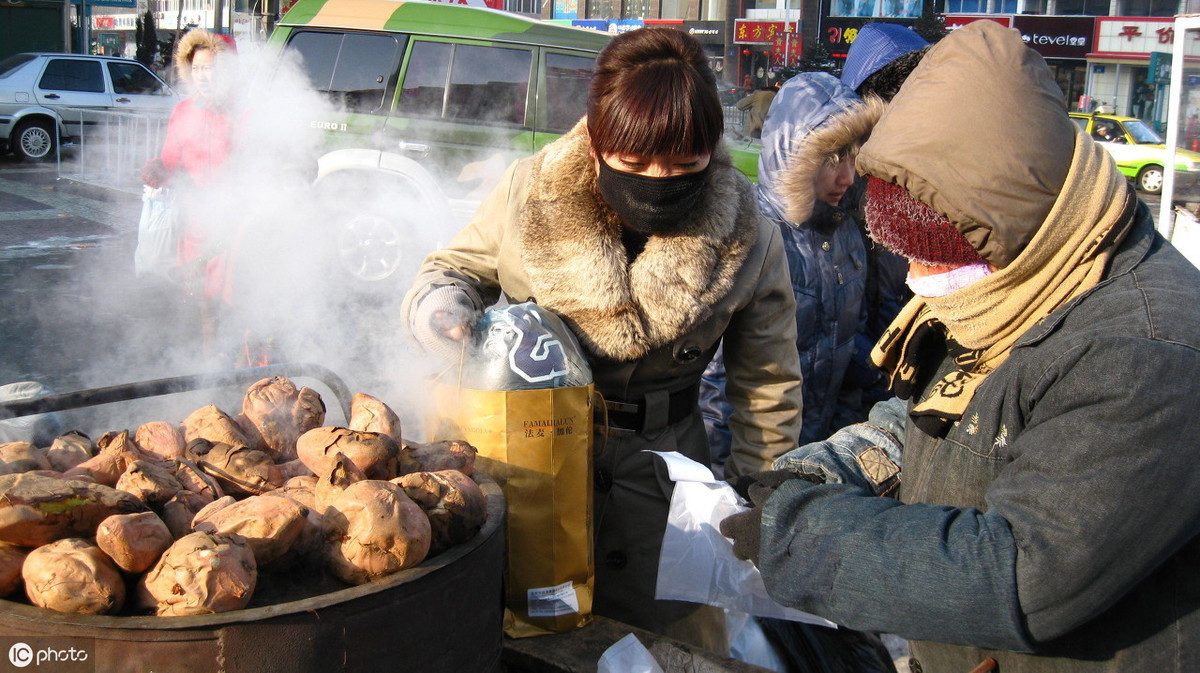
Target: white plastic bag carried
<point>158,233</point>
<point>697,562</point>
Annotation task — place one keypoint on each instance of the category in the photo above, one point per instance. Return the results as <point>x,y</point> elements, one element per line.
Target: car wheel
<point>33,140</point>
<point>381,229</point>
<point>1150,179</point>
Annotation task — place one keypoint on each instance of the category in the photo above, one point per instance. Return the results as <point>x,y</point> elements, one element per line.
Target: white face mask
<point>942,284</point>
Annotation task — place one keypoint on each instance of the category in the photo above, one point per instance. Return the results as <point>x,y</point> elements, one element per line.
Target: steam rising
<point>290,288</point>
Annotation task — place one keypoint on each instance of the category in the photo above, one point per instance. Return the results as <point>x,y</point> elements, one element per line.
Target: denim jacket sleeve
<point>866,455</point>
<point>925,572</point>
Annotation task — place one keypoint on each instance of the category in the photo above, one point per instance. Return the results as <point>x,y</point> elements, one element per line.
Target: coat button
<point>689,354</point>
<point>615,559</point>
<point>603,479</point>
<point>825,246</point>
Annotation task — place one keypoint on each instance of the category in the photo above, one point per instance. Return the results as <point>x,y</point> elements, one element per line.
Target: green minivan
<point>438,99</point>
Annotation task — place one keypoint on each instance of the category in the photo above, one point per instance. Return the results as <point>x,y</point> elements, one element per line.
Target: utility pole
<point>218,15</point>
<point>66,26</point>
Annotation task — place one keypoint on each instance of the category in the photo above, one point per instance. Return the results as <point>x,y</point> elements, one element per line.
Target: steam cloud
<point>289,287</point>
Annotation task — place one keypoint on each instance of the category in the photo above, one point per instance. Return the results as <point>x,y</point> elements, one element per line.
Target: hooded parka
<point>1053,525</point>
<point>648,328</point>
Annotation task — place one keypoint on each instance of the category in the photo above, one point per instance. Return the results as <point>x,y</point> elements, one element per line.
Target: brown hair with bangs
<point>652,94</point>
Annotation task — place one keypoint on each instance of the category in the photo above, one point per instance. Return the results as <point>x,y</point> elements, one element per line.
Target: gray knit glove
<point>442,321</point>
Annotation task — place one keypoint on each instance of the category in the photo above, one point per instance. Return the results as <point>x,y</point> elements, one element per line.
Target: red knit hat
<point>909,227</point>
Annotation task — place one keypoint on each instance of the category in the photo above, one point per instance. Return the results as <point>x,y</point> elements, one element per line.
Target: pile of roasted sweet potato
<point>187,519</point>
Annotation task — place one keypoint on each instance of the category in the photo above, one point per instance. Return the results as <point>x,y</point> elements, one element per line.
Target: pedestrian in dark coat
<point>1048,511</point>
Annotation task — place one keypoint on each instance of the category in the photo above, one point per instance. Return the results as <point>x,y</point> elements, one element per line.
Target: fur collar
<point>577,266</point>
<point>849,128</point>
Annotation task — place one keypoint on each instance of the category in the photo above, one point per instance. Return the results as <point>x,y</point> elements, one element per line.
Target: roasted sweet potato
<point>270,525</point>
<point>23,457</point>
<point>134,541</point>
<point>373,453</point>
<point>373,529</point>
<point>12,558</point>
<point>455,505</point>
<point>152,483</point>
<point>115,452</point>
<point>344,473</point>
<point>280,414</point>
<point>216,426</point>
<point>70,449</point>
<point>453,454</point>
<point>196,480</point>
<point>35,510</point>
<point>73,575</point>
<point>201,573</point>
<point>369,414</point>
<point>179,511</point>
<point>239,470</point>
<point>160,439</point>
<point>294,468</point>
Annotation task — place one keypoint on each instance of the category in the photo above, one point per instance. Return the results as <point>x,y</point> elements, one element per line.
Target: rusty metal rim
<point>496,508</point>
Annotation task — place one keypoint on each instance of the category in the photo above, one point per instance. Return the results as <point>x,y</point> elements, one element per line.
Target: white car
<point>39,91</point>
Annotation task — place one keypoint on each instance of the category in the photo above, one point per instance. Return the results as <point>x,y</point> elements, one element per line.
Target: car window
<point>134,78</point>
<point>9,65</point>
<point>1142,134</point>
<point>70,74</point>
<point>567,79</point>
<point>355,70</point>
<point>1081,122</point>
<point>484,84</point>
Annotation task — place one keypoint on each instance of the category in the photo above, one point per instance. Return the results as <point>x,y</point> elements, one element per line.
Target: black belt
<point>657,410</point>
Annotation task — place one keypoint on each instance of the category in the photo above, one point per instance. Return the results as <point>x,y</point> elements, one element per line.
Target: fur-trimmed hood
<point>814,117</point>
<point>194,39</point>
<point>577,265</point>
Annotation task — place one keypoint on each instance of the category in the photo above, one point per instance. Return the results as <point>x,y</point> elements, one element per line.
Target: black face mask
<point>651,205</point>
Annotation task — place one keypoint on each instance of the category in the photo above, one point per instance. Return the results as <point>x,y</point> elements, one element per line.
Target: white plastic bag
<point>627,655</point>
<point>158,233</point>
<point>697,562</point>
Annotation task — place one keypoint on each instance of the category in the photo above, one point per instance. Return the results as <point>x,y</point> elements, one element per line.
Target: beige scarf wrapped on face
<point>1068,255</point>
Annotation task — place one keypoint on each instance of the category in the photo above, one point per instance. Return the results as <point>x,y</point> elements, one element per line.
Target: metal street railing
<point>110,147</point>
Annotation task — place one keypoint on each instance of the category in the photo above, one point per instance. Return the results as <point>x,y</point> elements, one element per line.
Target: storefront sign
<point>956,21</point>
<point>1057,36</point>
<point>1123,37</point>
<point>758,32</point>
<point>839,33</point>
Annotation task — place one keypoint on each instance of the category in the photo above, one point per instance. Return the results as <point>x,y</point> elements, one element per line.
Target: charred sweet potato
<point>280,414</point>
<point>269,524</point>
<point>239,470</point>
<point>35,510</point>
<point>201,573</point>
<point>455,505</point>
<point>160,439</point>
<point>375,454</point>
<point>73,575</point>
<point>373,529</point>
<point>369,414</point>
<point>134,541</point>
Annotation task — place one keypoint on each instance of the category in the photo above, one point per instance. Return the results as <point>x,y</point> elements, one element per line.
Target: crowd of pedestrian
<point>948,374</point>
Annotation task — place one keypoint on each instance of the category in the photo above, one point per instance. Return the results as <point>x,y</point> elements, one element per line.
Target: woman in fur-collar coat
<point>651,269</point>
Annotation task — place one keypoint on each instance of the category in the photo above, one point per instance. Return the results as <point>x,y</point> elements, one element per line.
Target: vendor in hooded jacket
<point>1048,507</point>
<point>638,231</point>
